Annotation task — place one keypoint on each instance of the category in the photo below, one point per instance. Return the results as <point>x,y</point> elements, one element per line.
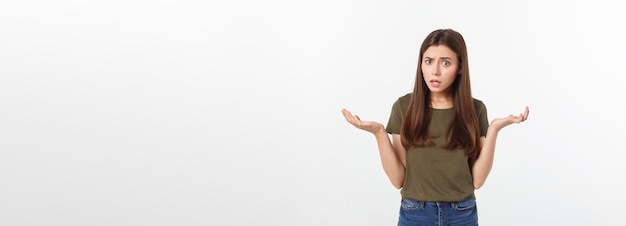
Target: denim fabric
<point>462,213</point>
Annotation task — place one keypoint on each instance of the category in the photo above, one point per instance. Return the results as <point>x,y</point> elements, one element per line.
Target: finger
<point>344,111</point>
<point>349,117</point>
<point>526,112</point>
<point>523,115</point>
<point>354,120</point>
<point>346,114</point>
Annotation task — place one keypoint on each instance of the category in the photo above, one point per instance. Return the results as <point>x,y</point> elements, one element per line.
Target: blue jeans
<point>463,213</point>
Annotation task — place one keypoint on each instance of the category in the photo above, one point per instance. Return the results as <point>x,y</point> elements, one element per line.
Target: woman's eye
<point>427,61</point>
<point>446,63</point>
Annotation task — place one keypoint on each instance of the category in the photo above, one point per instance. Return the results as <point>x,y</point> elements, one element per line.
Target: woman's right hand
<point>369,126</point>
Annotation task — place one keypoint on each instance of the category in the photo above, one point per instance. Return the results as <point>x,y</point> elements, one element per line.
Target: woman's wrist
<point>380,132</point>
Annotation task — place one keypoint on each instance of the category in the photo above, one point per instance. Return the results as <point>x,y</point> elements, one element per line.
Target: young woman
<point>442,145</point>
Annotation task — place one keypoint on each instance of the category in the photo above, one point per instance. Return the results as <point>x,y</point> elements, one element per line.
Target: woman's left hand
<point>503,122</point>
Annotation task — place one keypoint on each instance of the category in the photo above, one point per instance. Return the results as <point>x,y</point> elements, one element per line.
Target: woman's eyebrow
<point>445,58</point>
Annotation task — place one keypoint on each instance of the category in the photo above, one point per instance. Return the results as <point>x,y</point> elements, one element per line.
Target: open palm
<point>503,122</point>
<point>369,126</point>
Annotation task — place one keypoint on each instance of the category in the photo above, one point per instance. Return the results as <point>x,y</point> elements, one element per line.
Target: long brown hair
<point>464,129</point>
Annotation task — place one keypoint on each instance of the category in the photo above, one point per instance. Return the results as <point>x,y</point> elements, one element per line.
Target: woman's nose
<point>435,70</point>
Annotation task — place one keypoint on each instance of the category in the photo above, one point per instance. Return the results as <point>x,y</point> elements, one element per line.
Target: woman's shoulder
<point>479,105</point>
<point>403,101</point>
<point>478,101</point>
<point>405,98</point>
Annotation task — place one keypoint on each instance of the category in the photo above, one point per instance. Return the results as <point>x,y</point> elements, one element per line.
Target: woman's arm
<point>483,164</point>
<point>392,155</point>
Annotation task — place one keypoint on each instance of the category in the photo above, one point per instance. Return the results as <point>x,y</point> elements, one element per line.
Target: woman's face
<point>439,68</point>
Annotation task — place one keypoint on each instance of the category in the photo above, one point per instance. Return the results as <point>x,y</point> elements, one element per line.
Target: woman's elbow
<point>398,184</point>
<point>478,185</point>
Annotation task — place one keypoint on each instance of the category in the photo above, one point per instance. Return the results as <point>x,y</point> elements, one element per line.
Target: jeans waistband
<point>441,204</point>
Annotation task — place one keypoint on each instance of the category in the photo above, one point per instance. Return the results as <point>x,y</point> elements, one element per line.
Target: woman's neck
<point>441,101</point>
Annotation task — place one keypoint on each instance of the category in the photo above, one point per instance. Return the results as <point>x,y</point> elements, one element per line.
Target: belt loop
<point>421,205</point>
<point>453,205</point>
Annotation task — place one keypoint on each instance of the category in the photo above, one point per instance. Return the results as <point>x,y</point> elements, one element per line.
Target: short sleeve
<point>395,119</point>
<point>483,121</point>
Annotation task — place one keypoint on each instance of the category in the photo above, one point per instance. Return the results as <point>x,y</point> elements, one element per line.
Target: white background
<point>228,112</point>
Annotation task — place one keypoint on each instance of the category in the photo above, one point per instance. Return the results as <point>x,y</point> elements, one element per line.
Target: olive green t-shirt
<point>434,173</point>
